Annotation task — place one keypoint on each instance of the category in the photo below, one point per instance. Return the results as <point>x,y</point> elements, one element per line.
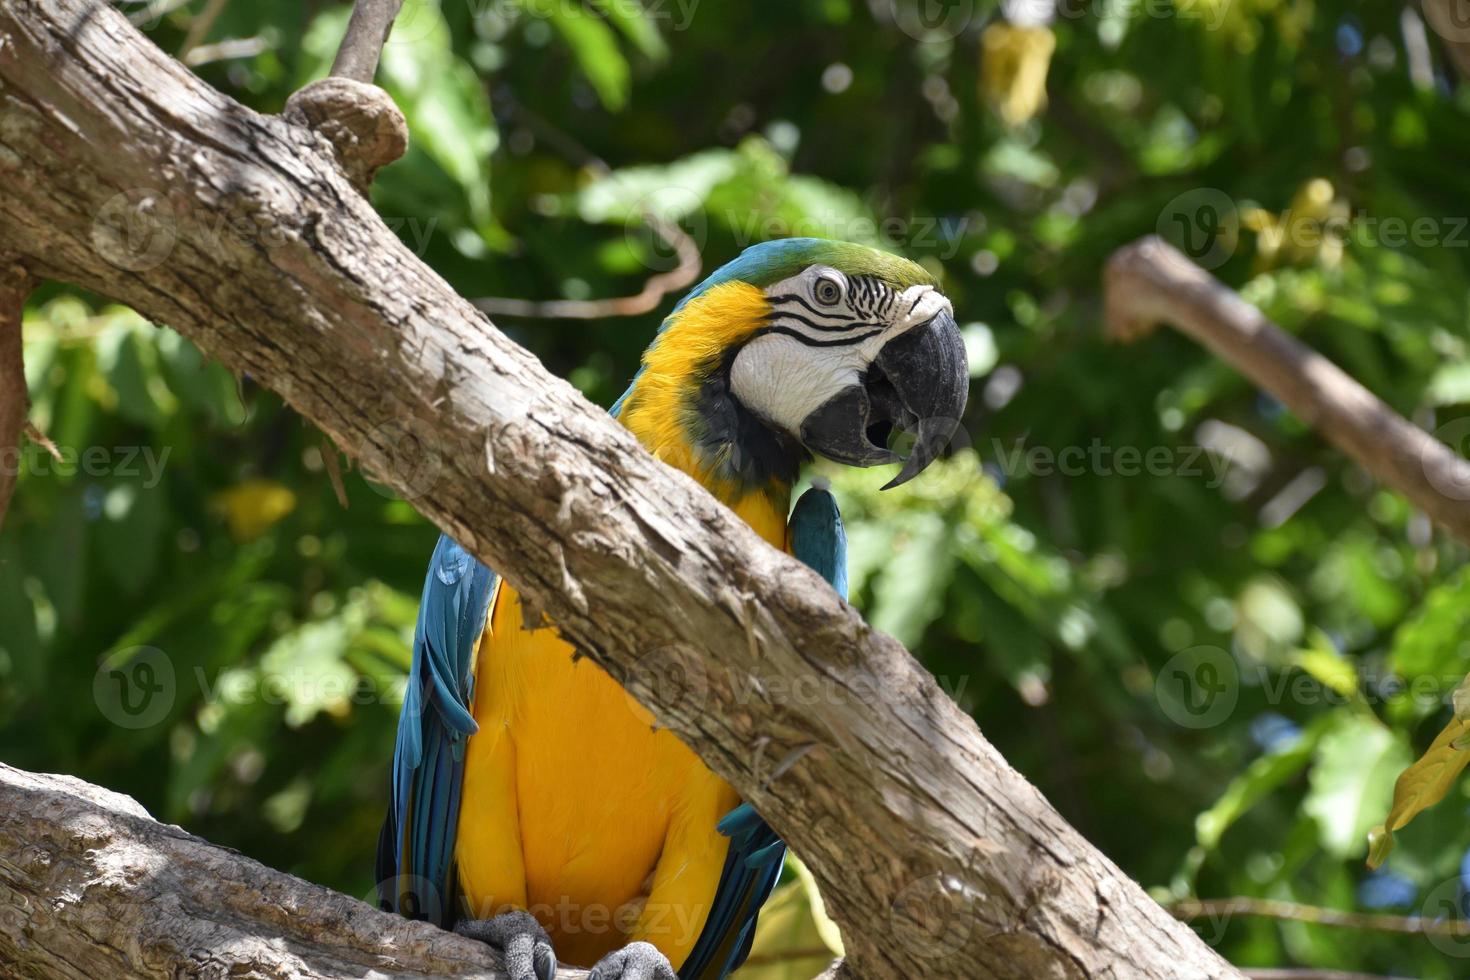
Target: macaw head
<point>806,345</point>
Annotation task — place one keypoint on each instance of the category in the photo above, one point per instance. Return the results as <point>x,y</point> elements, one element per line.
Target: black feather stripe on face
<point>864,310</point>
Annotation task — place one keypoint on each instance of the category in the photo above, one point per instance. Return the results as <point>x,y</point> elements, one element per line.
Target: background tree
<point>1068,601</point>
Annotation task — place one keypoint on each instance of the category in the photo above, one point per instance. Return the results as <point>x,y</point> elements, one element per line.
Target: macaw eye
<point>827,292</point>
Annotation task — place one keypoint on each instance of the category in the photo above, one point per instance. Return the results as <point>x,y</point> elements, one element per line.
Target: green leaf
<point>1431,644</point>
<point>637,25</point>
<point>910,587</point>
<point>1263,775</point>
<point>1350,787</point>
<point>593,44</point>
<point>1450,385</point>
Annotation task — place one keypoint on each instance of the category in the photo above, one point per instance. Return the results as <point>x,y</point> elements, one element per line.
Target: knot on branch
<point>366,129</point>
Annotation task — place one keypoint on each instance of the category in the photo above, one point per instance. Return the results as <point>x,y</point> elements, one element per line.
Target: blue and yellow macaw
<point>532,805</point>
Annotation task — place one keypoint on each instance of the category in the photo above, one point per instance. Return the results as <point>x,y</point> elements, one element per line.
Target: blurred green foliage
<point>1209,640</point>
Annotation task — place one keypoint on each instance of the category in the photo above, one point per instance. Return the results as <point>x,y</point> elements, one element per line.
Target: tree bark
<point>1151,282</point>
<point>91,886</point>
<point>122,172</point>
<point>14,403</point>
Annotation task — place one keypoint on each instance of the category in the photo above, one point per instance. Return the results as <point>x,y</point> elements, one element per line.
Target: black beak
<point>918,383</point>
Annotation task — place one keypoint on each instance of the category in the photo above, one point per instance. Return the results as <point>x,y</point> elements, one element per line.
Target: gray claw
<point>635,961</point>
<point>522,942</point>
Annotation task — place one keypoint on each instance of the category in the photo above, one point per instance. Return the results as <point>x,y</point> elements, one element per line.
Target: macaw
<point>531,805</point>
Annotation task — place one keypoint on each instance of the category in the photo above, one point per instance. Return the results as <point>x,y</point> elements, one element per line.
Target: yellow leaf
<point>1421,786</point>
<point>794,939</point>
<point>251,507</point>
<point>1330,668</point>
<point>1013,67</point>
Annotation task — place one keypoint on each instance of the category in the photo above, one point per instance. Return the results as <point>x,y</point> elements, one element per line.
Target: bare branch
<point>1151,282</point>
<point>367,32</point>
<point>1267,908</point>
<point>199,29</point>
<point>655,288</point>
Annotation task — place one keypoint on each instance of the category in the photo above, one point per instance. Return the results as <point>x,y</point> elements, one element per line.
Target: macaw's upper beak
<point>918,383</point>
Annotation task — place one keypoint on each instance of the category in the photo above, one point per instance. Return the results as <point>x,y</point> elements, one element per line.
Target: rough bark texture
<point>122,172</point>
<point>1151,282</point>
<point>14,403</point>
<point>91,886</point>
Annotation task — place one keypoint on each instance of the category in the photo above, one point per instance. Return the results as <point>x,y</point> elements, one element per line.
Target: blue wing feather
<point>416,848</point>
<point>756,854</point>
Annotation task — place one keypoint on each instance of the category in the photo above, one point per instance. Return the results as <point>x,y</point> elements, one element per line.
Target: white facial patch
<point>825,331</point>
<point>783,380</point>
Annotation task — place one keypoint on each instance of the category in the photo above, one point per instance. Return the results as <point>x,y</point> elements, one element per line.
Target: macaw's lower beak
<point>918,383</point>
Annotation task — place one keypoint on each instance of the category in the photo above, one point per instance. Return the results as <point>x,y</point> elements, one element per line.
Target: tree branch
<point>91,886</point>
<point>1450,19</point>
<point>15,286</point>
<point>365,127</point>
<point>934,856</point>
<point>367,32</point>
<point>1150,282</point>
<point>1270,908</point>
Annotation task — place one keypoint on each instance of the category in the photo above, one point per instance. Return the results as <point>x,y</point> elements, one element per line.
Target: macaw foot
<point>521,941</point>
<point>635,961</point>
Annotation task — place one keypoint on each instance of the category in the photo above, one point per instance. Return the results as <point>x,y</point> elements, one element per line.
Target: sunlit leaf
<point>1349,785</point>
<point>1422,785</point>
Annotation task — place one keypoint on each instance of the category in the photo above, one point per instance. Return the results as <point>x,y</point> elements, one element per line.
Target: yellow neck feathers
<point>663,410</point>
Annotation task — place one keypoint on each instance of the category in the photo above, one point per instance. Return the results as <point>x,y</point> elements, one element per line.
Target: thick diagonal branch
<point>1151,282</point>
<point>117,171</point>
